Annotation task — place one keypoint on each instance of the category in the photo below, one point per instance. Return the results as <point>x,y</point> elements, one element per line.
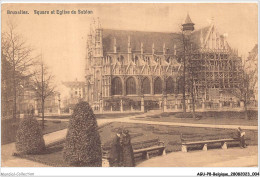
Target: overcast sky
<point>62,38</point>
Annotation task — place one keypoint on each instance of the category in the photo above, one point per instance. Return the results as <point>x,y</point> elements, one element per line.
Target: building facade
<point>76,93</point>
<point>135,70</point>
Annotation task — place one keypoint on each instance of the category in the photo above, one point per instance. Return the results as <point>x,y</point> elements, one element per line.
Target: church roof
<point>138,37</point>
<point>198,34</point>
<point>148,38</point>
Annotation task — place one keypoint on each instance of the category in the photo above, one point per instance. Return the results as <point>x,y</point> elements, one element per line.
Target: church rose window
<point>130,86</point>
<point>116,86</point>
<point>157,86</point>
<point>146,86</point>
<point>169,86</point>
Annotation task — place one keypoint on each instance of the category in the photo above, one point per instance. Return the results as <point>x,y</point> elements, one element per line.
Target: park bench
<point>223,141</point>
<point>149,146</point>
<point>142,147</point>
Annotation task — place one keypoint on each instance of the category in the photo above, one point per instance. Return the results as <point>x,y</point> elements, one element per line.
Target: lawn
<point>9,128</point>
<point>170,135</point>
<point>211,117</point>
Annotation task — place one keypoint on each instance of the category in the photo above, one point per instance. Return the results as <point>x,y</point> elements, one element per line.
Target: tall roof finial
<point>98,23</point>
<point>212,20</point>
<point>188,20</point>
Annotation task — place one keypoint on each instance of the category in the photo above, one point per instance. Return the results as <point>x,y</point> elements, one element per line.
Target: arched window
<point>130,86</point>
<point>146,87</point>
<point>180,86</point>
<point>158,86</point>
<point>116,86</point>
<point>169,86</point>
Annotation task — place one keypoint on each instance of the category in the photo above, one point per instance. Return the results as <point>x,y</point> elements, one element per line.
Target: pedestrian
<point>128,154</point>
<point>115,153</point>
<point>241,137</point>
<point>32,111</point>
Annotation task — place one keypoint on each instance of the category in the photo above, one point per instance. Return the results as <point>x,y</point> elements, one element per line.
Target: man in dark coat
<point>115,153</point>
<point>241,137</point>
<point>128,154</point>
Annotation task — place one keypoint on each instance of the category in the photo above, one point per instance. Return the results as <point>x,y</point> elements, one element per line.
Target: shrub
<point>29,138</point>
<point>187,115</point>
<point>165,114</point>
<point>83,145</point>
<point>155,116</point>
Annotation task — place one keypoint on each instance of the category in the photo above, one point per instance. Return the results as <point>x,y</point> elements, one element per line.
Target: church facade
<point>135,70</point>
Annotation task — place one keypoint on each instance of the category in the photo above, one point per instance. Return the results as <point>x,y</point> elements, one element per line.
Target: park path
<point>131,120</point>
<point>233,157</point>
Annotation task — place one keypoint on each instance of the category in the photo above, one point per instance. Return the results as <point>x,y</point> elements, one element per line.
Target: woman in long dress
<point>128,154</point>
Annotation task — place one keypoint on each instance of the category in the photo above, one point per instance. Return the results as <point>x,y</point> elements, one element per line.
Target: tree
<point>7,88</point>
<point>42,84</point>
<point>249,78</point>
<point>29,138</point>
<point>251,68</point>
<point>83,144</point>
<point>188,68</point>
<point>19,57</point>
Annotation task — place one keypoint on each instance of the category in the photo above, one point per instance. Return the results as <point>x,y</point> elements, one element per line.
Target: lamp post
<point>59,110</point>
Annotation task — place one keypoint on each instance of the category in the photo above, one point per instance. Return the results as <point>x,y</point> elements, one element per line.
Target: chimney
<point>174,49</point>
<point>153,48</point>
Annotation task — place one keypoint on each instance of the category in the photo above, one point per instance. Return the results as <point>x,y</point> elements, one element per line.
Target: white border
<point>137,171</point>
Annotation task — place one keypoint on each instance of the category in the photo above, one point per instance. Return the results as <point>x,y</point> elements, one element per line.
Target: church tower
<point>188,26</point>
<point>94,64</point>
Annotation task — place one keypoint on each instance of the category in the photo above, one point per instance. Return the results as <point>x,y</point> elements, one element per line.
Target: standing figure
<point>241,137</point>
<point>128,154</point>
<point>115,153</point>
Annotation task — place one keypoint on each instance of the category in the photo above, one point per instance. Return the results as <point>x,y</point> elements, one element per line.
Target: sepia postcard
<point>129,85</point>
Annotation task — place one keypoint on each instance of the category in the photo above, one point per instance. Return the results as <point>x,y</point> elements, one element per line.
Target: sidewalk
<point>233,157</point>
<point>131,119</point>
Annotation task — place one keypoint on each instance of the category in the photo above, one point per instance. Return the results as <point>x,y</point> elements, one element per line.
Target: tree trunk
<point>14,106</point>
<point>43,99</point>
<point>192,95</point>
<point>42,113</point>
<point>184,71</point>
<point>245,105</point>
<point>14,87</point>
<point>246,115</point>
<point>193,107</point>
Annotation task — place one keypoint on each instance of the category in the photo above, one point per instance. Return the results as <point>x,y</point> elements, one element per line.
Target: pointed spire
<point>115,45</point>
<point>164,49</point>
<point>212,20</point>
<point>98,23</point>
<point>188,20</point>
<point>201,38</point>
<point>129,44</point>
<point>153,48</point>
<point>90,29</point>
<point>142,48</point>
<point>188,26</point>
